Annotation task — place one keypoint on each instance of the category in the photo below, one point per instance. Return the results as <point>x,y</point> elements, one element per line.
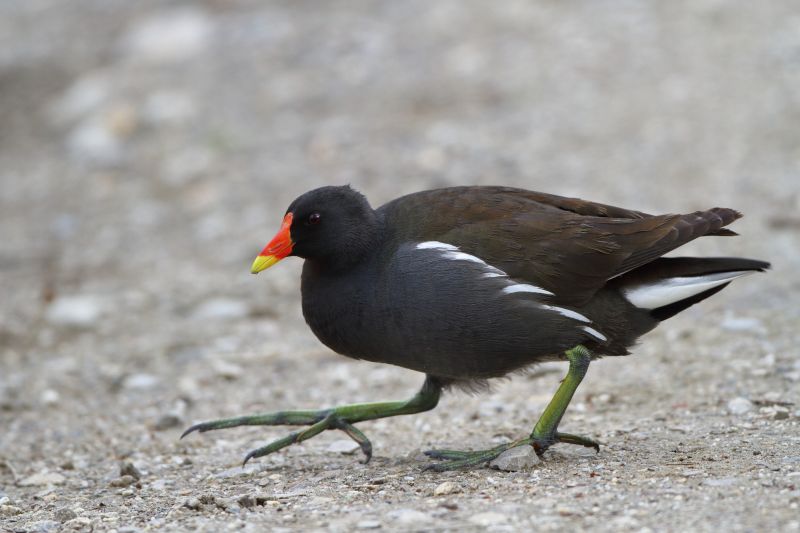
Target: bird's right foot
<point>456,459</point>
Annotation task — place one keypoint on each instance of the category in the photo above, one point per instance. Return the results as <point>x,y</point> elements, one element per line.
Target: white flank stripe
<point>435,245</point>
<point>671,290</point>
<point>524,287</point>
<point>566,312</point>
<point>594,333</point>
<point>451,252</point>
<point>461,256</point>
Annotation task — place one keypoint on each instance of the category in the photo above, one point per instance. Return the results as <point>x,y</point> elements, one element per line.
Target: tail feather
<point>670,285</point>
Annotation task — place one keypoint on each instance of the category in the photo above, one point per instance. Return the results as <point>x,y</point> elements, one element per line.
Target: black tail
<point>669,285</point>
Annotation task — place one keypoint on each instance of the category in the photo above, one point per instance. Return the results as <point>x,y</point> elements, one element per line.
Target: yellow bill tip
<point>263,262</point>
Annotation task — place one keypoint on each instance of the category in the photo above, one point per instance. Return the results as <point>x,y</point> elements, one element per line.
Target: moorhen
<point>470,283</point>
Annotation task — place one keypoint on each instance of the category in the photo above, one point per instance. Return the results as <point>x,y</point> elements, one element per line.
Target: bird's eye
<point>314,218</point>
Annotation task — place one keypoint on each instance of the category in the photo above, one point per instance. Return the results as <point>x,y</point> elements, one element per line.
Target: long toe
<point>447,455</point>
<point>569,438</point>
<point>457,460</point>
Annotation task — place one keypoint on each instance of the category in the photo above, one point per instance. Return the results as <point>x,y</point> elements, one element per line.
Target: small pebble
<point>780,414</point>
<point>43,526</point>
<point>227,370</point>
<point>50,397</point>
<point>487,519</point>
<point>169,36</point>
<point>721,482</point>
<point>81,523</point>
<point>140,381</point>
<point>65,514</point>
<point>408,516</point>
<point>123,481</point>
<point>368,524</point>
<point>167,421</point>
<point>733,323</point>
<point>9,510</point>
<point>248,500</point>
<point>221,309</point>
<point>193,504</point>
<point>75,311</point>
<point>516,459</point>
<point>448,487</point>
<point>127,468</point>
<point>740,406</point>
<point>42,478</point>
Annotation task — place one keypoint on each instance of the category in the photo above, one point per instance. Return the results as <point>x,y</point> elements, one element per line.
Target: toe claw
<point>200,428</point>
<point>249,456</point>
<point>367,450</point>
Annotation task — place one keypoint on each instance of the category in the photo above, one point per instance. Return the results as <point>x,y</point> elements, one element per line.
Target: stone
<point>127,468</point>
<point>122,481</point>
<point>140,382</point>
<point>169,106</point>
<point>186,166</point>
<point>448,487</point>
<point>65,514</point>
<point>516,459</point>
<point>408,516</point>
<point>487,519</point>
<point>81,523</point>
<point>42,479</point>
<point>346,447</point>
<point>247,501</point>
<point>221,309</point>
<point>781,414</point>
<point>733,323</point>
<point>169,36</point>
<point>167,421</point>
<point>43,526</point>
<point>84,96</point>
<point>49,397</point>
<point>721,482</point>
<point>740,406</point>
<point>9,510</point>
<point>93,142</point>
<point>193,503</point>
<point>76,311</point>
<point>368,524</point>
<point>226,370</point>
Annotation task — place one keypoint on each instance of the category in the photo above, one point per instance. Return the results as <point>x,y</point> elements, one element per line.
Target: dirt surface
<point>149,149</point>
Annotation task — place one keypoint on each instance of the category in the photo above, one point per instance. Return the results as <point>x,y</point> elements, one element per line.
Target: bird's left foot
<point>462,459</point>
<point>342,418</point>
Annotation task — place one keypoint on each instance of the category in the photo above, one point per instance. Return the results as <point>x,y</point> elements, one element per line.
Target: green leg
<point>544,434</point>
<point>342,417</point>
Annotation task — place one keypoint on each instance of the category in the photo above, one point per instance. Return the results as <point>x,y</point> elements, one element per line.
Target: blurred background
<point>148,151</point>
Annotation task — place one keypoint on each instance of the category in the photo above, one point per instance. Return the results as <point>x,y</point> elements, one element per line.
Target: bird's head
<point>333,224</point>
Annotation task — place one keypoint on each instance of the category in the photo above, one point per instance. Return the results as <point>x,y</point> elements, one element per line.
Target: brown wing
<point>568,246</point>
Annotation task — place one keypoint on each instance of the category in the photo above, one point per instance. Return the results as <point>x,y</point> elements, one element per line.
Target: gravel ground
<point>148,150</point>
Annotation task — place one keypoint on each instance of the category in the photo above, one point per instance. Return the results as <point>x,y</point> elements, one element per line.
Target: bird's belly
<point>444,342</point>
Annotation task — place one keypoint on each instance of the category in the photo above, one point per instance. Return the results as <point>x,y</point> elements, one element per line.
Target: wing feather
<point>567,246</point>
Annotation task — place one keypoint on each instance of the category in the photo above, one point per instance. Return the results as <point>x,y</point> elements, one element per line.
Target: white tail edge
<point>670,290</point>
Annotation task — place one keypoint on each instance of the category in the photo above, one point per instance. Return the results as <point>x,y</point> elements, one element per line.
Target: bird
<point>465,284</point>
